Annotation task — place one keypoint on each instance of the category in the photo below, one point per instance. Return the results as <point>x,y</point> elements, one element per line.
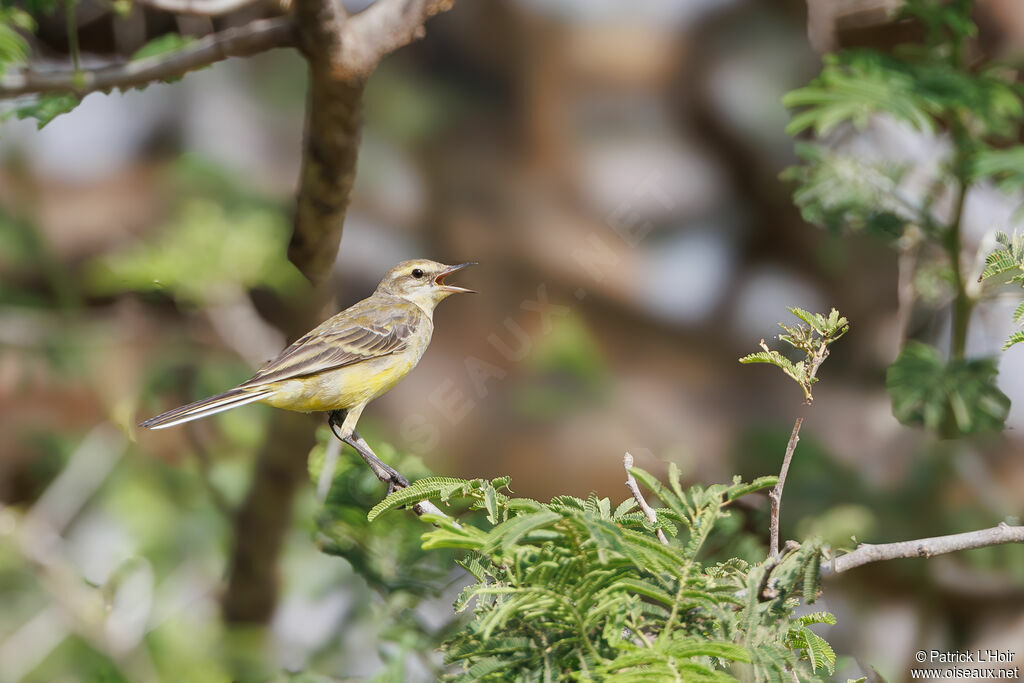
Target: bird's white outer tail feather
<point>204,407</point>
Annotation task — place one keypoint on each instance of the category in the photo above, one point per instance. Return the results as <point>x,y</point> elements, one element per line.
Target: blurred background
<point>614,169</point>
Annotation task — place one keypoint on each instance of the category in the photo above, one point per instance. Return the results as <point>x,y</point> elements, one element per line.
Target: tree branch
<point>776,493</point>
<point>341,51</point>
<point>258,36</point>
<point>924,547</point>
<point>264,517</point>
<point>652,516</point>
<point>381,29</point>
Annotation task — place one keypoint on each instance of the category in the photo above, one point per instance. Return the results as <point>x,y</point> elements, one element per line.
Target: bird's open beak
<point>439,280</point>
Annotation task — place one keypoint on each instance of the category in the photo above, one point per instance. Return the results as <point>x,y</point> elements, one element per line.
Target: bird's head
<point>421,281</point>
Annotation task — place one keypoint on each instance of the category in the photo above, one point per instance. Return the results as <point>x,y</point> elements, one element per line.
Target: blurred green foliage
<point>567,372</point>
<point>13,46</point>
<point>204,255</point>
<point>931,87</point>
<point>952,398</point>
<point>388,558</point>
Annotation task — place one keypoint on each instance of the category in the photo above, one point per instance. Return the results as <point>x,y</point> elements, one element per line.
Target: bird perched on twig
<point>347,361</point>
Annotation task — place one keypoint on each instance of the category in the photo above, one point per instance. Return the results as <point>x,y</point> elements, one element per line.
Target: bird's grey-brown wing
<point>372,328</point>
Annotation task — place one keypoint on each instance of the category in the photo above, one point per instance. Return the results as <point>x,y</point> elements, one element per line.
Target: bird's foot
<point>396,481</point>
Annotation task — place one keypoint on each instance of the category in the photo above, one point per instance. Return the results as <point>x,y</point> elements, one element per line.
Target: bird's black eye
<point>416,272</point>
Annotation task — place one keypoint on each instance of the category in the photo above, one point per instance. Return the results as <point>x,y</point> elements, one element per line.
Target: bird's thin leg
<point>387,474</point>
<point>384,472</point>
<point>335,419</point>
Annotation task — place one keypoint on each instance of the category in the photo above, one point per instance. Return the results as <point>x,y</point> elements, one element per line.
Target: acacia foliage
<point>579,589</point>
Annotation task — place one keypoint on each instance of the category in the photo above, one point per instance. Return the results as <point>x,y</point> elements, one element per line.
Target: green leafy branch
<point>813,338</point>
<point>582,589</point>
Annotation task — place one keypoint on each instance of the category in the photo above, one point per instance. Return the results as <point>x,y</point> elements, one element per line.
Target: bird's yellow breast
<point>350,385</point>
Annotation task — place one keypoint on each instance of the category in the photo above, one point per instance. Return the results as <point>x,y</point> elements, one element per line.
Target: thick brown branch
<point>342,51</point>
<point>331,147</point>
<point>924,547</point>
<point>259,36</point>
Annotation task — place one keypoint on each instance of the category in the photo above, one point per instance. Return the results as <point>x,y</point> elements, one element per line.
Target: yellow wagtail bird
<point>347,361</point>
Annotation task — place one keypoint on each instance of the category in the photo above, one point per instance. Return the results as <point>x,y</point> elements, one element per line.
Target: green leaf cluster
<point>843,192</point>
<point>43,109</point>
<point>911,86</point>
<point>813,338</point>
<point>388,557</point>
<point>205,254</point>
<point>578,589</point>
<point>931,86</point>
<point>928,86</point>
<point>951,398</point>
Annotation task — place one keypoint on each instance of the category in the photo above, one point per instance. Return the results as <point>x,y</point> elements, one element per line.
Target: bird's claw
<point>396,481</point>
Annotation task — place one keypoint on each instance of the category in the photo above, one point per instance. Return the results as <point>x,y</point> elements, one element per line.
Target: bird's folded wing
<point>359,334</point>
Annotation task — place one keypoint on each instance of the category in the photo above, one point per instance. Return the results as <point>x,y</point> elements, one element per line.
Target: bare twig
<point>652,516</point>
<point>258,36</point>
<point>205,8</point>
<point>776,493</point>
<point>924,547</point>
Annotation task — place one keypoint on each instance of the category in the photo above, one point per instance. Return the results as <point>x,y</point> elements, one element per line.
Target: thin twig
<point>243,41</point>
<point>924,547</point>
<point>776,493</point>
<point>652,516</point>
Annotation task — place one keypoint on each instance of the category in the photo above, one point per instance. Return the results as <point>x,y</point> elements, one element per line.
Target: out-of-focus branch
<point>265,516</point>
<point>924,547</point>
<point>776,493</point>
<point>342,51</point>
<point>634,488</point>
<point>379,30</point>
<point>258,36</point>
<point>205,8</point>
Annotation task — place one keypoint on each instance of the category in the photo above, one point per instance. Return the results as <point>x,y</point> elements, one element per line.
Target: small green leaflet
<point>169,42</point>
<point>44,109</point>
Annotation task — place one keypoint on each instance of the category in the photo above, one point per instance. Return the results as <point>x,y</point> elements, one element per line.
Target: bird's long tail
<point>207,406</point>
